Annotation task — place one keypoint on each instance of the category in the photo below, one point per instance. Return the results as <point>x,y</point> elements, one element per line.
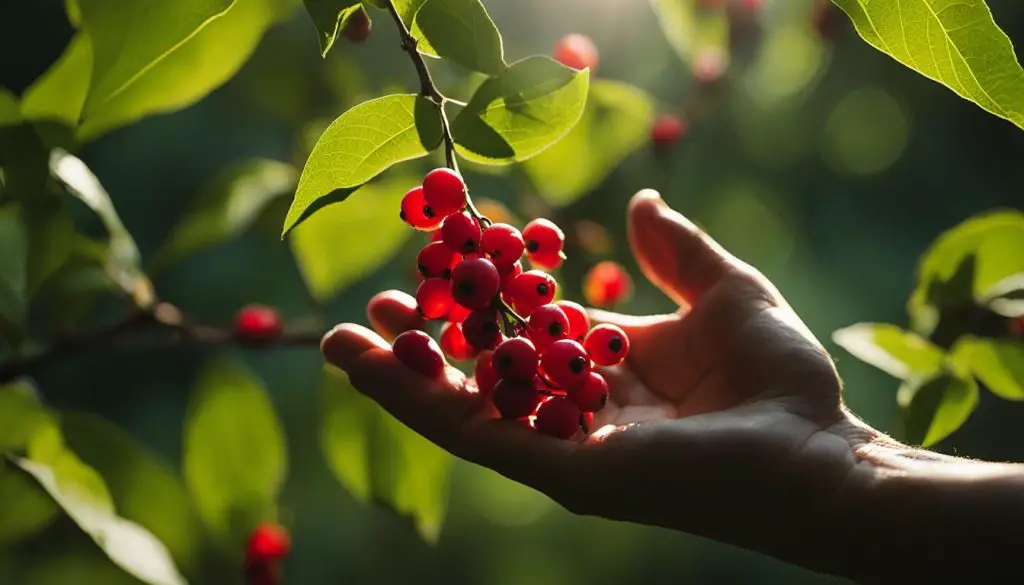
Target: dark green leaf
<point>520,112</point>
<point>329,16</point>
<point>362,143</point>
<point>955,43</point>
<point>59,94</point>
<point>13,261</point>
<point>72,290</point>
<point>462,31</point>
<point>26,509</point>
<point>235,456</point>
<point>935,407</point>
<point>998,364</point>
<point>349,419</point>
<point>899,353</point>
<point>51,235</point>
<point>74,12</point>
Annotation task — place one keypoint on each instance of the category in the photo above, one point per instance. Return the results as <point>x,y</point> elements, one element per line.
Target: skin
<point>726,421</point>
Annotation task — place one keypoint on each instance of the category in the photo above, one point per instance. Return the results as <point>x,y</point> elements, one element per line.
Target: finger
<point>393,312</point>
<point>674,254</point>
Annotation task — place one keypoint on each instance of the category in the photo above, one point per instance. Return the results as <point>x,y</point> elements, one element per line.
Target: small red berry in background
<point>576,51</point>
<point>607,283</point>
<point>607,344</point>
<point>269,542</point>
<point>709,65</point>
<point>419,352</point>
<point>454,344</point>
<point>444,191</point>
<point>667,130</point>
<point>579,322</point>
<point>558,417</point>
<point>417,213</point>
<point>357,27</point>
<point>544,242</point>
<point>257,323</point>
<point>826,19</point>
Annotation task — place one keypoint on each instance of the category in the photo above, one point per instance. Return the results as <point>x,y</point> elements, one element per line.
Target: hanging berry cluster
<point>535,357</point>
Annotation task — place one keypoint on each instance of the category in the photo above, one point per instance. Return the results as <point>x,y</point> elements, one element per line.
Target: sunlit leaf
<point>903,354</point>
<point>935,407</point>
<point>359,145</point>
<point>13,261</point>
<point>1006,297</point>
<point>21,416</point>
<point>461,31</point>
<point>521,111</point>
<point>59,93</point>
<point>347,424</point>
<point>997,363</point>
<point>330,16</point>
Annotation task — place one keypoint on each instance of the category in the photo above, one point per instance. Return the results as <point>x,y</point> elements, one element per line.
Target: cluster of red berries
<point>535,356</point>
<point>268,545</point>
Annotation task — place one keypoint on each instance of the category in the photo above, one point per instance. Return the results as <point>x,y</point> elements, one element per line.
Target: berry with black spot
<point>516,359</point>
<point>481,329</point>
<point>565,363</point>
<point>483,372</point>
<point>579,322</point>
<point>454,343</point>
<point>515,399</point>
<point>419,352</point>
<point>558,417</point>
<point>544,242</point>
<point>546,325</point>
<point>530,290</point>
<point>461,232</point>
<point>592,395</point>
<point>436,260</point>
<point>607,344</point>
<point>445,191</point>
<point>257,323</point>
<point>417,213</point>
<point>475,283</point>
<point>503,244</point>
<point>434,298</point>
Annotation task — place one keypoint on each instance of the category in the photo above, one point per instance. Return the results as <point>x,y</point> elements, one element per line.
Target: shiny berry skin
<point>454,344</point>
<point>515,399</point>
<point>461,232</point>
<point>357,27</point>
<point>576,51</point>
<point>544,243</point>
<point>257,323</point>
<point>417,213</point>
<point>607,344</point>
<point>607,283</point>
<point>509,273</point>
<point>667,129</point>
<point>503,244</point>
<point>436,260</point>
<point>558,417</point>
<point>481,329</point>
<point>530,290</point>
<point>269,542</point>
<point>419,352</point>
<point>592,395</point>
<point>565,363</point>
<point>445,191</point>
<point>546,325</point>
<point>475,283</point>
<point>483,372</point>
<point>516,359</point>
<point>434,298</point>
<point>579,322</point>
<point>457,314</point>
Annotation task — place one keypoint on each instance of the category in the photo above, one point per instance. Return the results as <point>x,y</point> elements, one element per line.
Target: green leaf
<point>71,291</point>
<point>51,235</point>
<point>59,94</point>
<point>461,31</point>
<point>616,121</point>
<point>935,407</point>
<point>954,42</point>
<point>21,416</point>
<point>1005,297</point>
<point>330,16</point>
<point>359,145</point>
<point>964,263</point>
<point>10,111</point>
<point>998,364</point>
<point>690,28</point>
<point>520,112</point>
<point>26,509</point>
<point>13,261</point>
<point>227,207</point>
<point>903,354</point>
<point>372,227</point>
<point>347,426</point>
<point>235,458</point>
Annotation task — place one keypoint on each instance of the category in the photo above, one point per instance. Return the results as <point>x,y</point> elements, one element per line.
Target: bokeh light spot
<point>866,132</point>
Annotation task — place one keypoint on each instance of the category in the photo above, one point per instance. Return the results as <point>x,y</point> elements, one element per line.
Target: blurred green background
<point>827,165</point>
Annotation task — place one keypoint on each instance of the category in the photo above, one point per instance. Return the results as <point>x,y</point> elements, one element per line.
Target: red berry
<point>515,399</point>
<point>357,27</point>
<point>458,313</point>
<point>667,129</point>
<point>503,243</point>
<point>516,359</point>
<point>444,191</point>
<point>481,329</point>
<point>257,323</point>
<point>461,232</point>
<point>530,290</point>
<point>544,242</point>
<point>1017,326</point>
<point>587,422</point>
<point>269,542</point>
<point>546,325</point>
<point>434,298</point>
<point>607,344</point>
<point>484,373</point>
<point>579,322</point>
<point>509,273</point>
<point>558,417</point>
<point>565,363</point>
<point>435,236</point>
<point>454,343</point>
<point>419,352</point>
<point>592,395</point>
<point>475,282</point>
<point>417,213</point>
<point>576,51</point>
<point>607,283</point>
<point>436,260</point>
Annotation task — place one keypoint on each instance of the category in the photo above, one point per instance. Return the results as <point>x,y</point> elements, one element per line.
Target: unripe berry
<point>503,244</point>
<point>434,298</point>
<point>592,395</point>
<point>269,542</point>
<point>461,232</point>
<point>579,322</point>
<point>576,51</point>
<point>481,329</point>
<point>516,359</point>
<point>565,363</point>
<point>454,343</point>
<point>475,283</point>
<point>515,399</point>
<point>509,273</point>
<point>483,372</point>
<point>607,283</point>
<point>457,314</point>
<point>558,417</point>
<point>419,352</point>
<point>667,129</point>
<point>544,242</point>
<point>530,290</point>
<point>436,260</point>
<point>257,323</point>
<point>607,344</point>
<point>417,213</point>
<point>444,191</point>
<point>546,325</point>
<point>357,27</point>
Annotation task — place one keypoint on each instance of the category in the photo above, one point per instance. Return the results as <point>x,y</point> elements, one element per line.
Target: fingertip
<point>344,344</point>
<point>393,312</point>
